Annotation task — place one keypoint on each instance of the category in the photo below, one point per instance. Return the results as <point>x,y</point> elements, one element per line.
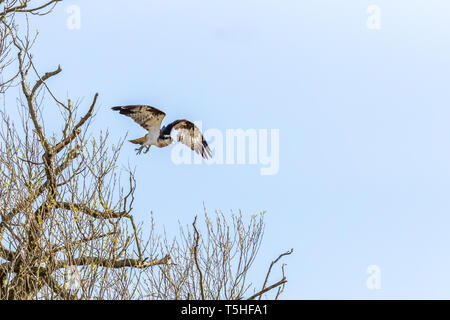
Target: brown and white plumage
<point>150,118</point>
<point>188,134</point>
<point>147,117</point>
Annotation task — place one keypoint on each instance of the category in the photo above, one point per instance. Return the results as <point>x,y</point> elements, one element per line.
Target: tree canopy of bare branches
<point>67,229</point>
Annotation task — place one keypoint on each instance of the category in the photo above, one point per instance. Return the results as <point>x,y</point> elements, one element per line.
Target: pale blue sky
<point>363,116</point>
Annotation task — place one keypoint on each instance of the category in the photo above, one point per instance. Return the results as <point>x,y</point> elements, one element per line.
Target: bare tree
<point>67,229</point>
<point>213,265</point>
<point>8,11</point>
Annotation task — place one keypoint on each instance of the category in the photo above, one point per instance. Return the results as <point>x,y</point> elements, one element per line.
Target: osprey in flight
<point>150,119</point>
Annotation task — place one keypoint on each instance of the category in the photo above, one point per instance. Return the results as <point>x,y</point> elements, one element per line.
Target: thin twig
<point>195,249</point>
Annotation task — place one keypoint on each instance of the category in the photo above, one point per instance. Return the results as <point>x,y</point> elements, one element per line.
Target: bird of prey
<point>150,118</point>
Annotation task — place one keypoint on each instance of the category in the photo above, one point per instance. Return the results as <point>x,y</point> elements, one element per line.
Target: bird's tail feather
<point>138,141</point>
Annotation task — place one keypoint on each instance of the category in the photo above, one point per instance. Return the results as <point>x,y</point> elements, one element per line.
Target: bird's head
<point>165,140</point>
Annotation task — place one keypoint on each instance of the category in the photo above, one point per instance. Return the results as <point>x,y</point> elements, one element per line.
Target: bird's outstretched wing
<point>148,117</point>
<point>188,134</point>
